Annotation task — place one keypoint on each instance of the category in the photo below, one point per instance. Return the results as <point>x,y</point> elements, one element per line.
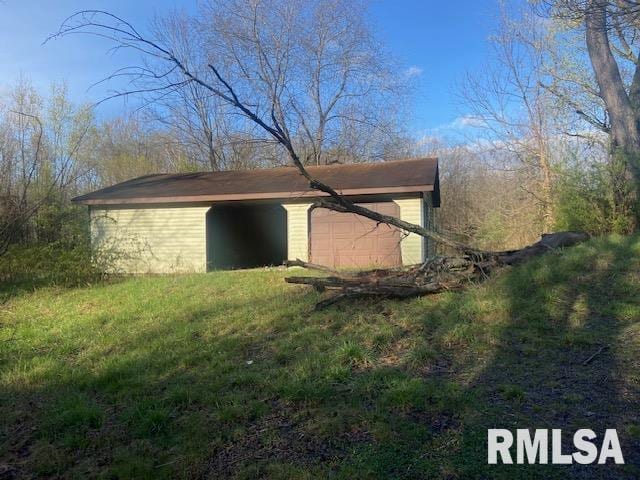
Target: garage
<point>246,236</point>
<point>340,240</point>
<point>223,220</point>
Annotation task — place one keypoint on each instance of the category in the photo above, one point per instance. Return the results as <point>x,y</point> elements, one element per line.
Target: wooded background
<point>557,108</point>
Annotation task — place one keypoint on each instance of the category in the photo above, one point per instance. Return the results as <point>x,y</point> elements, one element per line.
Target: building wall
<point>158,239</point>
<point>173,238</point>
<point>412,246</point>
<point>297,230</point>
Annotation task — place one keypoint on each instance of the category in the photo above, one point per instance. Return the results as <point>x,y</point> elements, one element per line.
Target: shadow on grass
<point>561,313</point>
<point>19,287</point>
<point>159,391</point>
<point>215,377</point>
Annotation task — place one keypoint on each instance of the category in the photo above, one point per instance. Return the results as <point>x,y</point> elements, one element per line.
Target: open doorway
<point>246,236</point>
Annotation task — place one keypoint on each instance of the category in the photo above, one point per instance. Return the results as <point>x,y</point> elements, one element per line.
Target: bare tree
<point>201,124</point>
<point>39,151</point>
<point>316,63</point>
<point>508,100</point>
<point>268,111</point>
<point>481,205</point>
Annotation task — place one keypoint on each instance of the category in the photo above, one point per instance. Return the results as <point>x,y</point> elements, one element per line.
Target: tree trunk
<point>436,275</point>
<point>547,190</point>
<point>625,131</point>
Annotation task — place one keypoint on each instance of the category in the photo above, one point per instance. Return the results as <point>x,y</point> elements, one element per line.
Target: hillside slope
<point>232,374</point>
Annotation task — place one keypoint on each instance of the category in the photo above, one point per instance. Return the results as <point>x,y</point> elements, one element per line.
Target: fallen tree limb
<point>593,356</point>
<point>436,275</point>
<point>549,241</point>
<point>399,288</point>
<point>311,266</point>
<point>344,205</point>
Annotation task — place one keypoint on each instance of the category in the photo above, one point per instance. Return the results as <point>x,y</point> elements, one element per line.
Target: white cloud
<point>426,140</point>
<point>465,129</point>
<point>464,122</point>
<point>413,71</point>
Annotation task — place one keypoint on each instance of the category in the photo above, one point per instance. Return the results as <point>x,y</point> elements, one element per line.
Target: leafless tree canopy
<point>249,84</point>
<point>510,103</point>
<point>261,91</point>
<point>314,67</point>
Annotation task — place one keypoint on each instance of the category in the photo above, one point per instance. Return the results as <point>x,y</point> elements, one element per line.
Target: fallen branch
<point>434,276</point>
<point>344,205</point>
<point>311,266</point>
<point>549,241</point>
<point>592,357</point>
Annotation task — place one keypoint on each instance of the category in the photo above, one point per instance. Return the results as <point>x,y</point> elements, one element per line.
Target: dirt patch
<point>281,437</point>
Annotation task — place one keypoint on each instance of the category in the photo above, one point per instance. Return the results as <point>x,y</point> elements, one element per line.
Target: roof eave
<point>291,196</point>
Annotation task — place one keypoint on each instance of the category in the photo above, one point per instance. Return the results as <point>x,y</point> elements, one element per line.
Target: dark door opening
<point>246,236</point>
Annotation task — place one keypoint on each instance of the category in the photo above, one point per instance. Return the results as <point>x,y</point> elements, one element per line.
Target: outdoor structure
<point>195,222</point>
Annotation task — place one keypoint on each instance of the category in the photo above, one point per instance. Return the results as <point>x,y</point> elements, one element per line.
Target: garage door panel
<point>349,240</point>
<point>390,211</point>
<point>388,246</point>
<point>323,260</point>
<point>361,228</point>
<point>342,227</point>
<point>323,228</point>
<point>366,244</point>
<point>342,244</point>
<point>388,232</point>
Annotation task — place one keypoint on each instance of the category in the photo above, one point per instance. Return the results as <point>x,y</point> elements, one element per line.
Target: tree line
<point>552,147</point>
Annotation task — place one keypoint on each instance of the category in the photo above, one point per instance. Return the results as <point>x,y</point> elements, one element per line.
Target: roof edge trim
<point>249,196</point>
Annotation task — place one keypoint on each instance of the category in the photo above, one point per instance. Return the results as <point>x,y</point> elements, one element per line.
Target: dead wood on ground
<point>436,275</point>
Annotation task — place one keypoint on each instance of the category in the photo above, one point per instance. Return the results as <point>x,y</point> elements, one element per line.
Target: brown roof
<point>399,176</point>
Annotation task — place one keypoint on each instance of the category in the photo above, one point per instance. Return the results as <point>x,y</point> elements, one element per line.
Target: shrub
<point>585,200</point>
<point>53,264</point>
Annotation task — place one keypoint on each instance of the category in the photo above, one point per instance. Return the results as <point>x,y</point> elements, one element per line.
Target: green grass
<point>233,374</point>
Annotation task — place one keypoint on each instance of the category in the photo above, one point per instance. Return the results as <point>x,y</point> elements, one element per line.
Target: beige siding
<point>158,239</point>
<point>297,230</point>
<point>412,246</point>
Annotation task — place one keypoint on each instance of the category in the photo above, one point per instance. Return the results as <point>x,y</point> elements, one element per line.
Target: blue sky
<point>439,41</point>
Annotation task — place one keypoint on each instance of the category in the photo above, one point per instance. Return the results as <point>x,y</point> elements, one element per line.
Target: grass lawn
<point>232,374</point>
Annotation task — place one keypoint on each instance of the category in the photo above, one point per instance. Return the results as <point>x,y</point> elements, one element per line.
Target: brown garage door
<point>349,240</point>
